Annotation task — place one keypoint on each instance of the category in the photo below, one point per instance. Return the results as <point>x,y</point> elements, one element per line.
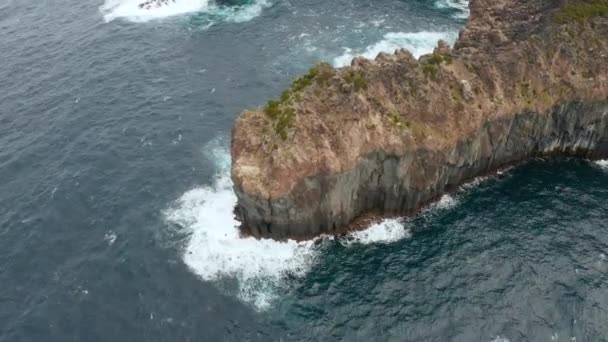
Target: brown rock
<point>467,90</point>
<point>442,48</point>
<point>386,138</point>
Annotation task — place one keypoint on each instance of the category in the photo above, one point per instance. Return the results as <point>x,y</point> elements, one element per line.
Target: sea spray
<point>130,10</point>
<point>418,43</point>
<point>602,164</point>
<point>216,251</point>
<point>387,231</point>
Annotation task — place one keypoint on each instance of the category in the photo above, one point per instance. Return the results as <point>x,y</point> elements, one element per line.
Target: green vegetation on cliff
<point>356,79</point>
<point>395,119</point>
<point>281,112</point>
<point>430,66</point>
<point>582,11</point>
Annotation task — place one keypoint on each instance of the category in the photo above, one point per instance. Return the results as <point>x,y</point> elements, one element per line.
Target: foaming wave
<point>445,202</point>
<point>393,230</point>
<point>387,231</point>
<point>130,10</point>
<point>461,7</point>
<point>602,164</point>
<point>418,43</point>
<point>475,182</point>
<point>215,250</point>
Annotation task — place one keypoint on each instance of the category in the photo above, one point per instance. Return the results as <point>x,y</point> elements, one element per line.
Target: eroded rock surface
<point>389,135</point>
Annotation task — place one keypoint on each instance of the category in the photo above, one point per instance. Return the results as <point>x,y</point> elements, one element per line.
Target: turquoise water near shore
<point>116,220</point>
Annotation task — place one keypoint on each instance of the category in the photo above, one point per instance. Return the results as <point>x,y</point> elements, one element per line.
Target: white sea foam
<point>418,43</point>
<point>505,170</point>
<point>462,7</point>
<point>387,231</point>
<point>475,182</point>
<point>110,237</point>
<point>602,164</point>
<point>392,230</point>
<point>130,10</point>
<point>445,202</point>
<point>215,251</point>
<point>500,339</point>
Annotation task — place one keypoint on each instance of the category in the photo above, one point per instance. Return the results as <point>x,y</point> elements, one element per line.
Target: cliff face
<point>387,136</point>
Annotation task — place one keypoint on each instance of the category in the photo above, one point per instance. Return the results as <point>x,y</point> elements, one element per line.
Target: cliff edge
<point>386,136</point>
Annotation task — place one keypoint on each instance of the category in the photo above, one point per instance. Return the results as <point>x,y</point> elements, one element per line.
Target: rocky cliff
<point>386,136</point>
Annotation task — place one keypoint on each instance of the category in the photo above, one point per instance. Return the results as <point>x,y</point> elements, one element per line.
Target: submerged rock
<point>386,136</point>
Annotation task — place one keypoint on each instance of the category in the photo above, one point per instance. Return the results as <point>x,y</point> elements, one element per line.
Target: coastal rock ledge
<point>387,136</point>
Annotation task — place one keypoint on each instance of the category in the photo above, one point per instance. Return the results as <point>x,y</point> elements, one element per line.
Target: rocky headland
<point>387,136</point>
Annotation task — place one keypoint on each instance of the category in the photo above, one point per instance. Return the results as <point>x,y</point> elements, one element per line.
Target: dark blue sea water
<point>116,204</point>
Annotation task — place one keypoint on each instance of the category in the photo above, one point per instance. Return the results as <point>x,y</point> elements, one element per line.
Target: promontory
<point>387,136</point>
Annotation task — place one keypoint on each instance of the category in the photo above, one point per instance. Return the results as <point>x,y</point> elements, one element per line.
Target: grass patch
<point>281,112</point>
<point>526,93</point>
<point>321,73</point>
<point>430,70</point>
<point>282,117</point>
<point>284,123</point>
<point>396,121</point>
<point>421,130</point>
<point>272,109</point>
<point>582,11</point>
<point>430,66</point>
<point>325,72</point>
<point>356,79</point>
<point>438,59</point>
<point>456,95</point>
<point>285,96</point>
<point>304,81</point>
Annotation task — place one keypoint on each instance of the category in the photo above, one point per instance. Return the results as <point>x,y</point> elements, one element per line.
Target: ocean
<point>116,202</point>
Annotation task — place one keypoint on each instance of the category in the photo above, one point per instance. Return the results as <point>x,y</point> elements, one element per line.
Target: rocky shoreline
<point>386,137</point>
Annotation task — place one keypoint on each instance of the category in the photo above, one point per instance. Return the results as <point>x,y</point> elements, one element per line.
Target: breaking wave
<point>216,252</point>
<point>131,11</point>
<point>215,248</point>
<point>418,43</point>
<point>387,231</point>
<point>602,164</point>
<point>445,202</point>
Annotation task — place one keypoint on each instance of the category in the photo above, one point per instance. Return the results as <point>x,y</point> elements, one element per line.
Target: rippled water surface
<point>116,203</point>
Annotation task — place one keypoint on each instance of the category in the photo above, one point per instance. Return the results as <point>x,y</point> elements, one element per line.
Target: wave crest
<point>387,231</point>
<point>216,251</point>
<point>602,164</point>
